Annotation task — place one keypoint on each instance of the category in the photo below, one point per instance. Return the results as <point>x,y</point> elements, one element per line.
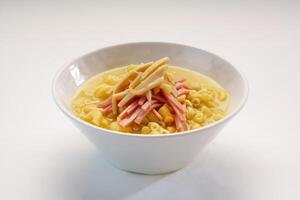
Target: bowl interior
<point>73,75</point>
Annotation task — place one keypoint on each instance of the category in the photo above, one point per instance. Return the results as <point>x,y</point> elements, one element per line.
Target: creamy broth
<point>205,102</point>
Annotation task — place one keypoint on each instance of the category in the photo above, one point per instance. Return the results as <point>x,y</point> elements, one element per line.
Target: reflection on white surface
<point>215,174</point>
<point>75,72</point>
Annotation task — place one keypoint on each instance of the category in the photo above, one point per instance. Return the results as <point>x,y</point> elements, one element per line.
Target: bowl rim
<point>193,131</point>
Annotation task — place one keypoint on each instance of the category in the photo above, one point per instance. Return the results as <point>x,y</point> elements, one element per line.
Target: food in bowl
<point>140,153</point>
<point>150,98</point>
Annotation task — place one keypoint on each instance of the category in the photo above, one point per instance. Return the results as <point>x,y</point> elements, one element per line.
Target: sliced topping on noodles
<point>143,91</point>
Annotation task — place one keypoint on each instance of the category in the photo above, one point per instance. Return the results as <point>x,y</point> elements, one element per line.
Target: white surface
<point>43,156</point>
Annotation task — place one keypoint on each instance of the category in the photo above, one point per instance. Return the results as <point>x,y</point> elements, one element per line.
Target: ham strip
<point>156,90</point>
<point>104,103</point>
<point>180,111</point>
<point>146,105</point>
<point>132,108</point>
<point>108,101</point>
<point>142,100</point>
<point>180,85</point>
<point>178,123</point>
<point>157,114</point>
<point>128,110</point>
<point>183,91</point>
<point>180,80</point>
<point>154,101</point>
<point>144,113</point>
<point>179,114</point>
<point>130,119</point>
<point>173,101</point>
<point>159,98</point>
<point>107,110</point>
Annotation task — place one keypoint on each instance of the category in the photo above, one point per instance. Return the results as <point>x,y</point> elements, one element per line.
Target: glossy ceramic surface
<point>154,154</point>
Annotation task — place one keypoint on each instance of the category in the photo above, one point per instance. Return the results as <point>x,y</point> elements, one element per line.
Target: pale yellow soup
<point>206,103</point>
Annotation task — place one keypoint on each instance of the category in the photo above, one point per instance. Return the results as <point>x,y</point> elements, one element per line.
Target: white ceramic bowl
<point>149,154</point>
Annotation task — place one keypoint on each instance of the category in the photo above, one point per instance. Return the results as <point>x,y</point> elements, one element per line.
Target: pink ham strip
<point>104,103</point>
<point>171,109</point>
<point>156,105</point>
<point>184,106</point>
<point>141,116</point>
<point>183,91</point>
<point>146,105</point>
<point>107,110</point>
<point>143,113</point>
<point>128,110</point>
<point>156,90</point>
<point>157,114</point>
<point>180,114</point>
<point>142,100</point>
<point>132,108</point>
<point>107,102</point>
<point>178,123</point>
<point>159,98</point>
<point>179,86</point>
<point>131,118</point>
<point>173,101</point>
<point>180,80</point>
<point>154,101</point>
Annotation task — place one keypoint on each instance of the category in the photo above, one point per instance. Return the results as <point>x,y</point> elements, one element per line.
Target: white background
<point>43,156</point>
